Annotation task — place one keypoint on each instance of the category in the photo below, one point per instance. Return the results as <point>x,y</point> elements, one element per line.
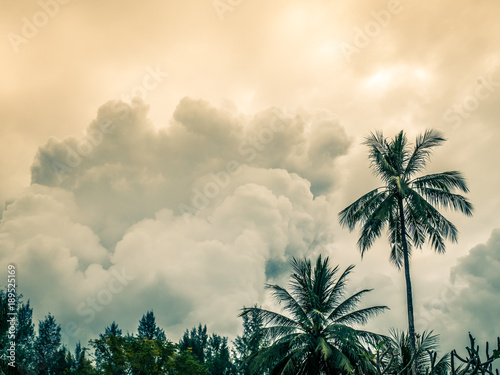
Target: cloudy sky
<point>175,155</point>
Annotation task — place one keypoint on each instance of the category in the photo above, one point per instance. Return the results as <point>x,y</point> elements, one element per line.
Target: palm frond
<point>323,283</point>
<point>276,353</point>
<point>447,181</point>
<point>339,360</point>
<point>426,346</point>
<point>324,349</point>
<point>416,234</point>
<point>374,224</point>
<point>361,316</point>
<point>278,333</point>
<point>398,153</point>
<point>395,238</point>
<point>443,366</point>
<point>423,150</point>
<point>379,155</point>
<point>301,282</point>
<point>370,337</point>
<point>436,226</point>
<point>441,198</point>
<point>271,317</point>
<point>348,305</point>
<point>362,208</point>
<point>289,303</point>
<point>338,290</point>
<point>428,341</point>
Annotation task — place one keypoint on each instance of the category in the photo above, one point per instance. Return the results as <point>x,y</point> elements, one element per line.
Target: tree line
<point>147,352</point>
<point>318,332</point>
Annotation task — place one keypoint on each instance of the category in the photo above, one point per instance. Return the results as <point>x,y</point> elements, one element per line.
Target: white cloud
<point>108,203</point>
<point>123,159</point>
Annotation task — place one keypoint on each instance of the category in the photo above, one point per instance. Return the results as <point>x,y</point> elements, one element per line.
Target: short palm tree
<point>315,335</point>
<point>426,361</point>
<point>407,205</point>
<point>393,355</point>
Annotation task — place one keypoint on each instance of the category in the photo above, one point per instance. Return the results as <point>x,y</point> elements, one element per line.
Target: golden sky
<point>92,186</point>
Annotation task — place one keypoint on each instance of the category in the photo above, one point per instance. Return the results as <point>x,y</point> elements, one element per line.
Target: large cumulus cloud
<point>123,158</point>
<point>190,220</point>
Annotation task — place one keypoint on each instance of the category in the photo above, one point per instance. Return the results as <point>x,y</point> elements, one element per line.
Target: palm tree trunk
<point>409,295</point>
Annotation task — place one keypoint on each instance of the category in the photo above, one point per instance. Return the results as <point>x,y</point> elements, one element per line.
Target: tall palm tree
<point>315,335</point>
<point>407,205</point>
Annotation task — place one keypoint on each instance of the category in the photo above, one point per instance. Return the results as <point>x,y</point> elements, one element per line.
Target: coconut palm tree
<point>407,205</point>
<point>393,355</point>
<point>316,333</point>
<point>426,361</point>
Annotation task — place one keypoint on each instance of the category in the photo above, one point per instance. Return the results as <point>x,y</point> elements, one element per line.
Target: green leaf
<point>380,344</point>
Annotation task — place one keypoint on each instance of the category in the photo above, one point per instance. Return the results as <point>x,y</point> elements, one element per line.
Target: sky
<point>176,155</point>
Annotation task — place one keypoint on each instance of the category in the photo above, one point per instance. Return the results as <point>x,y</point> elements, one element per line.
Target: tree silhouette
<point>315,335</point>
<point>407,205</point>
<point>47,346</point>
<point>148,329</point>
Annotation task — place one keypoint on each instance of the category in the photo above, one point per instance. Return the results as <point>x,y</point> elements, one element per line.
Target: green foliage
<point>25,335</point>
<point>109,352</point>
<point>148,329</point>
<point>113,330</point>
<point>50,356</point>
<point>196,341</point>
<point>212,352</point>
<point>250,342</point>
<point>406,205</point>
<point>315,336</point>
<point>61,363</point>
<point>396,163</point>
<point>218,358</point>
<point>496,354</point>
<point>116,354</point>
<point>80,363</point>
<point>185,363</point>
<point>393,356</point>
<point>316,333</point>
<point>149,356</point>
